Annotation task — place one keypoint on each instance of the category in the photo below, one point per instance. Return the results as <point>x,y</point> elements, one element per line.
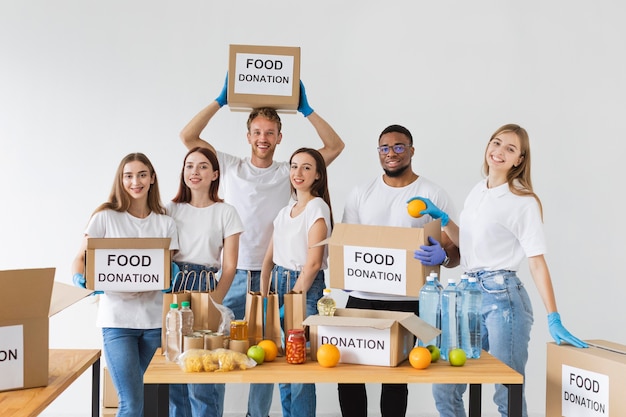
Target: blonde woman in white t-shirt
<point>131,322</point>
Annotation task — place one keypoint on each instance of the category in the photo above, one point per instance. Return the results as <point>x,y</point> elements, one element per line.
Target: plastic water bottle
<point>461,320</point>
<point>462,283</point>
<point>430,308</point>
<point>437,282</point>
<point>187,316</point>
<point>449,337</point>
<point>470,319</point>
<point>174,333</point>
<point>326,305</point>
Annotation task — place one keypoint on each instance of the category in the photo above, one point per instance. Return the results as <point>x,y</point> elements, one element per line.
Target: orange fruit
<point>328,355</point>
<point>414,208</point>
<point>420,357</point>
<point>270,348</point>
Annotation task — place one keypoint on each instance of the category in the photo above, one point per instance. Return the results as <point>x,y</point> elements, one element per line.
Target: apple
<point>457,357</point>
<point>257,353</point>
<point>434,353</point>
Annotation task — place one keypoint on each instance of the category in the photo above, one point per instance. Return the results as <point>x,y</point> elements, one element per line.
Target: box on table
<point>586,382</point>
<point>264,76</point>
<point>369,337</point>
<point>128,264</point>
<point>379,259</point>
<point>109,393</point>
<point>29,298</point>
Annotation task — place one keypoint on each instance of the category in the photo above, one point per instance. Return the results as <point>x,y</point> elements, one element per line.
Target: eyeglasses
<point>398,148</point>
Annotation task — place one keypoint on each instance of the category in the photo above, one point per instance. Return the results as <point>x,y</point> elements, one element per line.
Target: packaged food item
<point>218,360</point>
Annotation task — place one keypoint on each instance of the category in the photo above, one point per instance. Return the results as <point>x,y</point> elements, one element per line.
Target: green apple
<point>257,353</point>
<point>434,353</point>
<point>457,357</point>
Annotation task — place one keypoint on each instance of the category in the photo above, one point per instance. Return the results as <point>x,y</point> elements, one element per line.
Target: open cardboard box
<point>379,259</point>
<point>264,76</point>
<point>369,337</point>
<point>128,264</point>
<point>586,382</point>
<point>29,298</point>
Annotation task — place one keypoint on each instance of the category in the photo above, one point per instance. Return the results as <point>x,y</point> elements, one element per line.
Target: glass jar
<point>296,346</point>
<point>239,330</point>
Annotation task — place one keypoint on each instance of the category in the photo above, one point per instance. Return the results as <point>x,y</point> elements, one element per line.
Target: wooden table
<point>486,370</point>
<point>65,366</point>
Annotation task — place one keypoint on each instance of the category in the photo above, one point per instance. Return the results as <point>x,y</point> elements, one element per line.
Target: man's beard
<point>397,173</point>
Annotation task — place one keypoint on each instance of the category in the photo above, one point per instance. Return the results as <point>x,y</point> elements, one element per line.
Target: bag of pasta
<point>218,360</point>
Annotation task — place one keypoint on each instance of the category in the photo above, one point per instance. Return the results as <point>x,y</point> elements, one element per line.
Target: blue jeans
<point>195,400</point>
<point>299,400</point>
<point>128,353</point>
<point>506,323</point>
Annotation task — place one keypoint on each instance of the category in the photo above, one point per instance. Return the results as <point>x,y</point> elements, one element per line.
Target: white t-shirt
<point>291,234</point>
<point>258,194</point>
<point>135,310</point>
<point>377,204</point>
<point>498,229</point>
<point>201,231</point>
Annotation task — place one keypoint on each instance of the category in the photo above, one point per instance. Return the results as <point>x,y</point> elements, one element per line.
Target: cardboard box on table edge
<point>29,298</point>
<point>109,393</point>
<point>401,327</point>
<point>94,244</point>
<point>407,239</point>
<point>247,102</point>
<point>585,378</point>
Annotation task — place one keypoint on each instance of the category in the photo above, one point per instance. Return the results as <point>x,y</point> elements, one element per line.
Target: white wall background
<point>83,83</point>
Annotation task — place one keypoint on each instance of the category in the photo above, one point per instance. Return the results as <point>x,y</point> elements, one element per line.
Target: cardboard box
<point>29,298</point>
<point>264,76</point>
<point>109,393</point>
<point>128,264</point>
<point>586,382</point>
<point>369,337</point>
<point>379,259</point>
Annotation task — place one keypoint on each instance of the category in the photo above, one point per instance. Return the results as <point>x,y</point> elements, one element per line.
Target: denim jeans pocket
<point>496,282</point>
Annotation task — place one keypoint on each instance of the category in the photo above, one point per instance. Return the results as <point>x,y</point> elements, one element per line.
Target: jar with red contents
<point>296,346</point>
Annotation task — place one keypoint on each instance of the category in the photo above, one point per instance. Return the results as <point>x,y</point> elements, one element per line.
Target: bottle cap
<point>326,290</point>
<point>185,304</point>
<point>174,305</point>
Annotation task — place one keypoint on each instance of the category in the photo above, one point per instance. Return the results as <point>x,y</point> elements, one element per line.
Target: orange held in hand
<point>415,207</point>
<point>270,348</point>
<point>419,357</point>
<point>328,355</point>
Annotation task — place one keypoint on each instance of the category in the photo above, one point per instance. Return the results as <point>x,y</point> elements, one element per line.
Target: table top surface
<point>65,366</point>
<point>485,370</point>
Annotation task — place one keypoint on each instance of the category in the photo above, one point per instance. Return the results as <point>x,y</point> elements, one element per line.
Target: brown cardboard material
<point>30,297</point>
<point>264,76</point>
<point>586,382</point>
<point>128,264</point>
<point>109,393</point>
<point>379,259</point>
<point>369,337</point>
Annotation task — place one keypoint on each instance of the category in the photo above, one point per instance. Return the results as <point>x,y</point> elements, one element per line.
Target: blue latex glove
<point>560,333</point>
<point>430,255</point>
<point>79,280</point>
<point>432,210</point>
<point>303,105</point>
<point>222,98</point>
<point>175,274</point>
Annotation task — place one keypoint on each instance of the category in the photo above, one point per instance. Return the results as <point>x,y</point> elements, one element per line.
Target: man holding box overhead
<point>383,202</point>
<point>258,187</point>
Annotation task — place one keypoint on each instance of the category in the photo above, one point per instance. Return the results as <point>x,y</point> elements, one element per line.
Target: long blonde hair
<point>518,177</point>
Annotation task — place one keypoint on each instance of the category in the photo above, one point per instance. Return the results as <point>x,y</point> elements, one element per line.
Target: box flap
<point>608,346</point>
<point>25,293</point>
<point>419,328</point>
<point>128,242</point>
<point>64,295</point>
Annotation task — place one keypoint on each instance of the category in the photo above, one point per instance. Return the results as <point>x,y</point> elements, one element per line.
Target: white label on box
<point>269,75</point>
<point>11,357</point>
<point>380,270</point>
<point>584,393</point>
<point>129,270</point>
<point>360,345</point>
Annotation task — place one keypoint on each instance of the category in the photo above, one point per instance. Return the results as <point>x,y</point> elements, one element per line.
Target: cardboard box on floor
<point>586,382</point>
<point>109,393</point>
<point>369,337</point>
<point>29,298</point>
<point>264,76</point>
<point>128,264</point>
<point>379,259</point>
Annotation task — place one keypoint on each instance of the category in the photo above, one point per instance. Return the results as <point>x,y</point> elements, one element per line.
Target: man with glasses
<point>383,202</point>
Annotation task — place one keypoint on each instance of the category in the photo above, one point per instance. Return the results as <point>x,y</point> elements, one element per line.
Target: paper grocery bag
<point>206,315</point>
<point>295,308</point>
<point>254,314</point>
<point>173,297</point>
<point>272,328</point>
